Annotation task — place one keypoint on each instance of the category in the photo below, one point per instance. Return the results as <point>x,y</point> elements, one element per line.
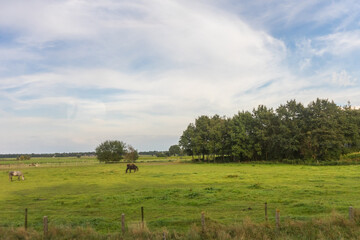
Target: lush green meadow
<point>174,194</point>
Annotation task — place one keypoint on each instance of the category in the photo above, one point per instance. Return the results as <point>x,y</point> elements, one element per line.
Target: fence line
<point>276,219</point>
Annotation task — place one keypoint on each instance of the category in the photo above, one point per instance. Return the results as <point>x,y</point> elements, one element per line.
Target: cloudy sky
<point>74,73</point>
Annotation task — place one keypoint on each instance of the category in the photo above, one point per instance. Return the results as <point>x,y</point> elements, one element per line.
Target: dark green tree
<point>110,151</point>
<point>174,150</point>
<point>187,140</point>
<point>224,144</point>
<point>264,123</point>
<point>202,136</point>
<point>215,135</point>
<point>350,124</point>
<point>290,130</point>
<point>243,146</point>
<point>324,139</point>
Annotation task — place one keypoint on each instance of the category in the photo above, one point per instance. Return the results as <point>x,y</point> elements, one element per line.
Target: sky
<point>74,73</point>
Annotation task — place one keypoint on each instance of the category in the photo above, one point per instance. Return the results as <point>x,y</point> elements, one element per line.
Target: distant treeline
<point>152,153</point>
<point>321,131</point>
<point>72,154</point>
<point>155,153</point>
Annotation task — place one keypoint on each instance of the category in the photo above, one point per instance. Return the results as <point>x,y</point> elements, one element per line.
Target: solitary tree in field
<point>110,151</point>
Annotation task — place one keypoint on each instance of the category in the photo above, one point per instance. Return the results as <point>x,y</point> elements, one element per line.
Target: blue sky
<point>74,73</point>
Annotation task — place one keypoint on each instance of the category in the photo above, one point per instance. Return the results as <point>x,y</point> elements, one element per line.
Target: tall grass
<point>332,227</point>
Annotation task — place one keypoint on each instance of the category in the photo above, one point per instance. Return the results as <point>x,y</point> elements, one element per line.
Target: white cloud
<point>305,63</point>
<point>339,43</point>
<point>170,61</point>
<point>312,14</point>
<point>343,79</point>
<point>47,20</point>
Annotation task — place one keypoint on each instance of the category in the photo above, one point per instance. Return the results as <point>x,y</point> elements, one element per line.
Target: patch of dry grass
<point>333,227</point>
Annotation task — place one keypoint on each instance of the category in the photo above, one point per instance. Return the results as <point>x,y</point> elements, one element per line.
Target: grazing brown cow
<point>131,166</point>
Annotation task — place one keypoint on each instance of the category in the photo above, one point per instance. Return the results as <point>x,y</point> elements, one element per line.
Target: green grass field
<point>173,194</point>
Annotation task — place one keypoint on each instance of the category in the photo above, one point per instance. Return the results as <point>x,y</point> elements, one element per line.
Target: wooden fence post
<point>266,215</point>
<point>45,226</point>
<point>142,217</point>
<point>277,216</point>
<point>164,235</point>
<point>203,221</point>
<point>26,213</point>
<point>351,213</point>
<point>123,223</point>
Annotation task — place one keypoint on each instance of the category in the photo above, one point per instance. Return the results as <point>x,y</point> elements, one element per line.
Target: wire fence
<point>153,216</point>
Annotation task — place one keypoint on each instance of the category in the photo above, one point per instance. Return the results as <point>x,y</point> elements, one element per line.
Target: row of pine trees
<point>321,131</point>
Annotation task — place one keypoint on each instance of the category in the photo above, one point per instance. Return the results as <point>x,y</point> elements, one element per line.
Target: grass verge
<point>333,227</point>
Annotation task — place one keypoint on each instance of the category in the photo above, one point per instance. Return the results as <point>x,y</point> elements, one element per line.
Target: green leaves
<point>110,151</point>
<point>321,131</point>
<point>174,150</point>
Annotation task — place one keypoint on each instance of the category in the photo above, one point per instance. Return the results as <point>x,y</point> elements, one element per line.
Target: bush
<point>131,154</point>
<point>110,151</point>
<point>23,158</point>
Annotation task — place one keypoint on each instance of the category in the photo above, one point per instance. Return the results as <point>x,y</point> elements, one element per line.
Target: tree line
<point>174,150</point>
<point>65,154</point>
<point>320,131</point>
